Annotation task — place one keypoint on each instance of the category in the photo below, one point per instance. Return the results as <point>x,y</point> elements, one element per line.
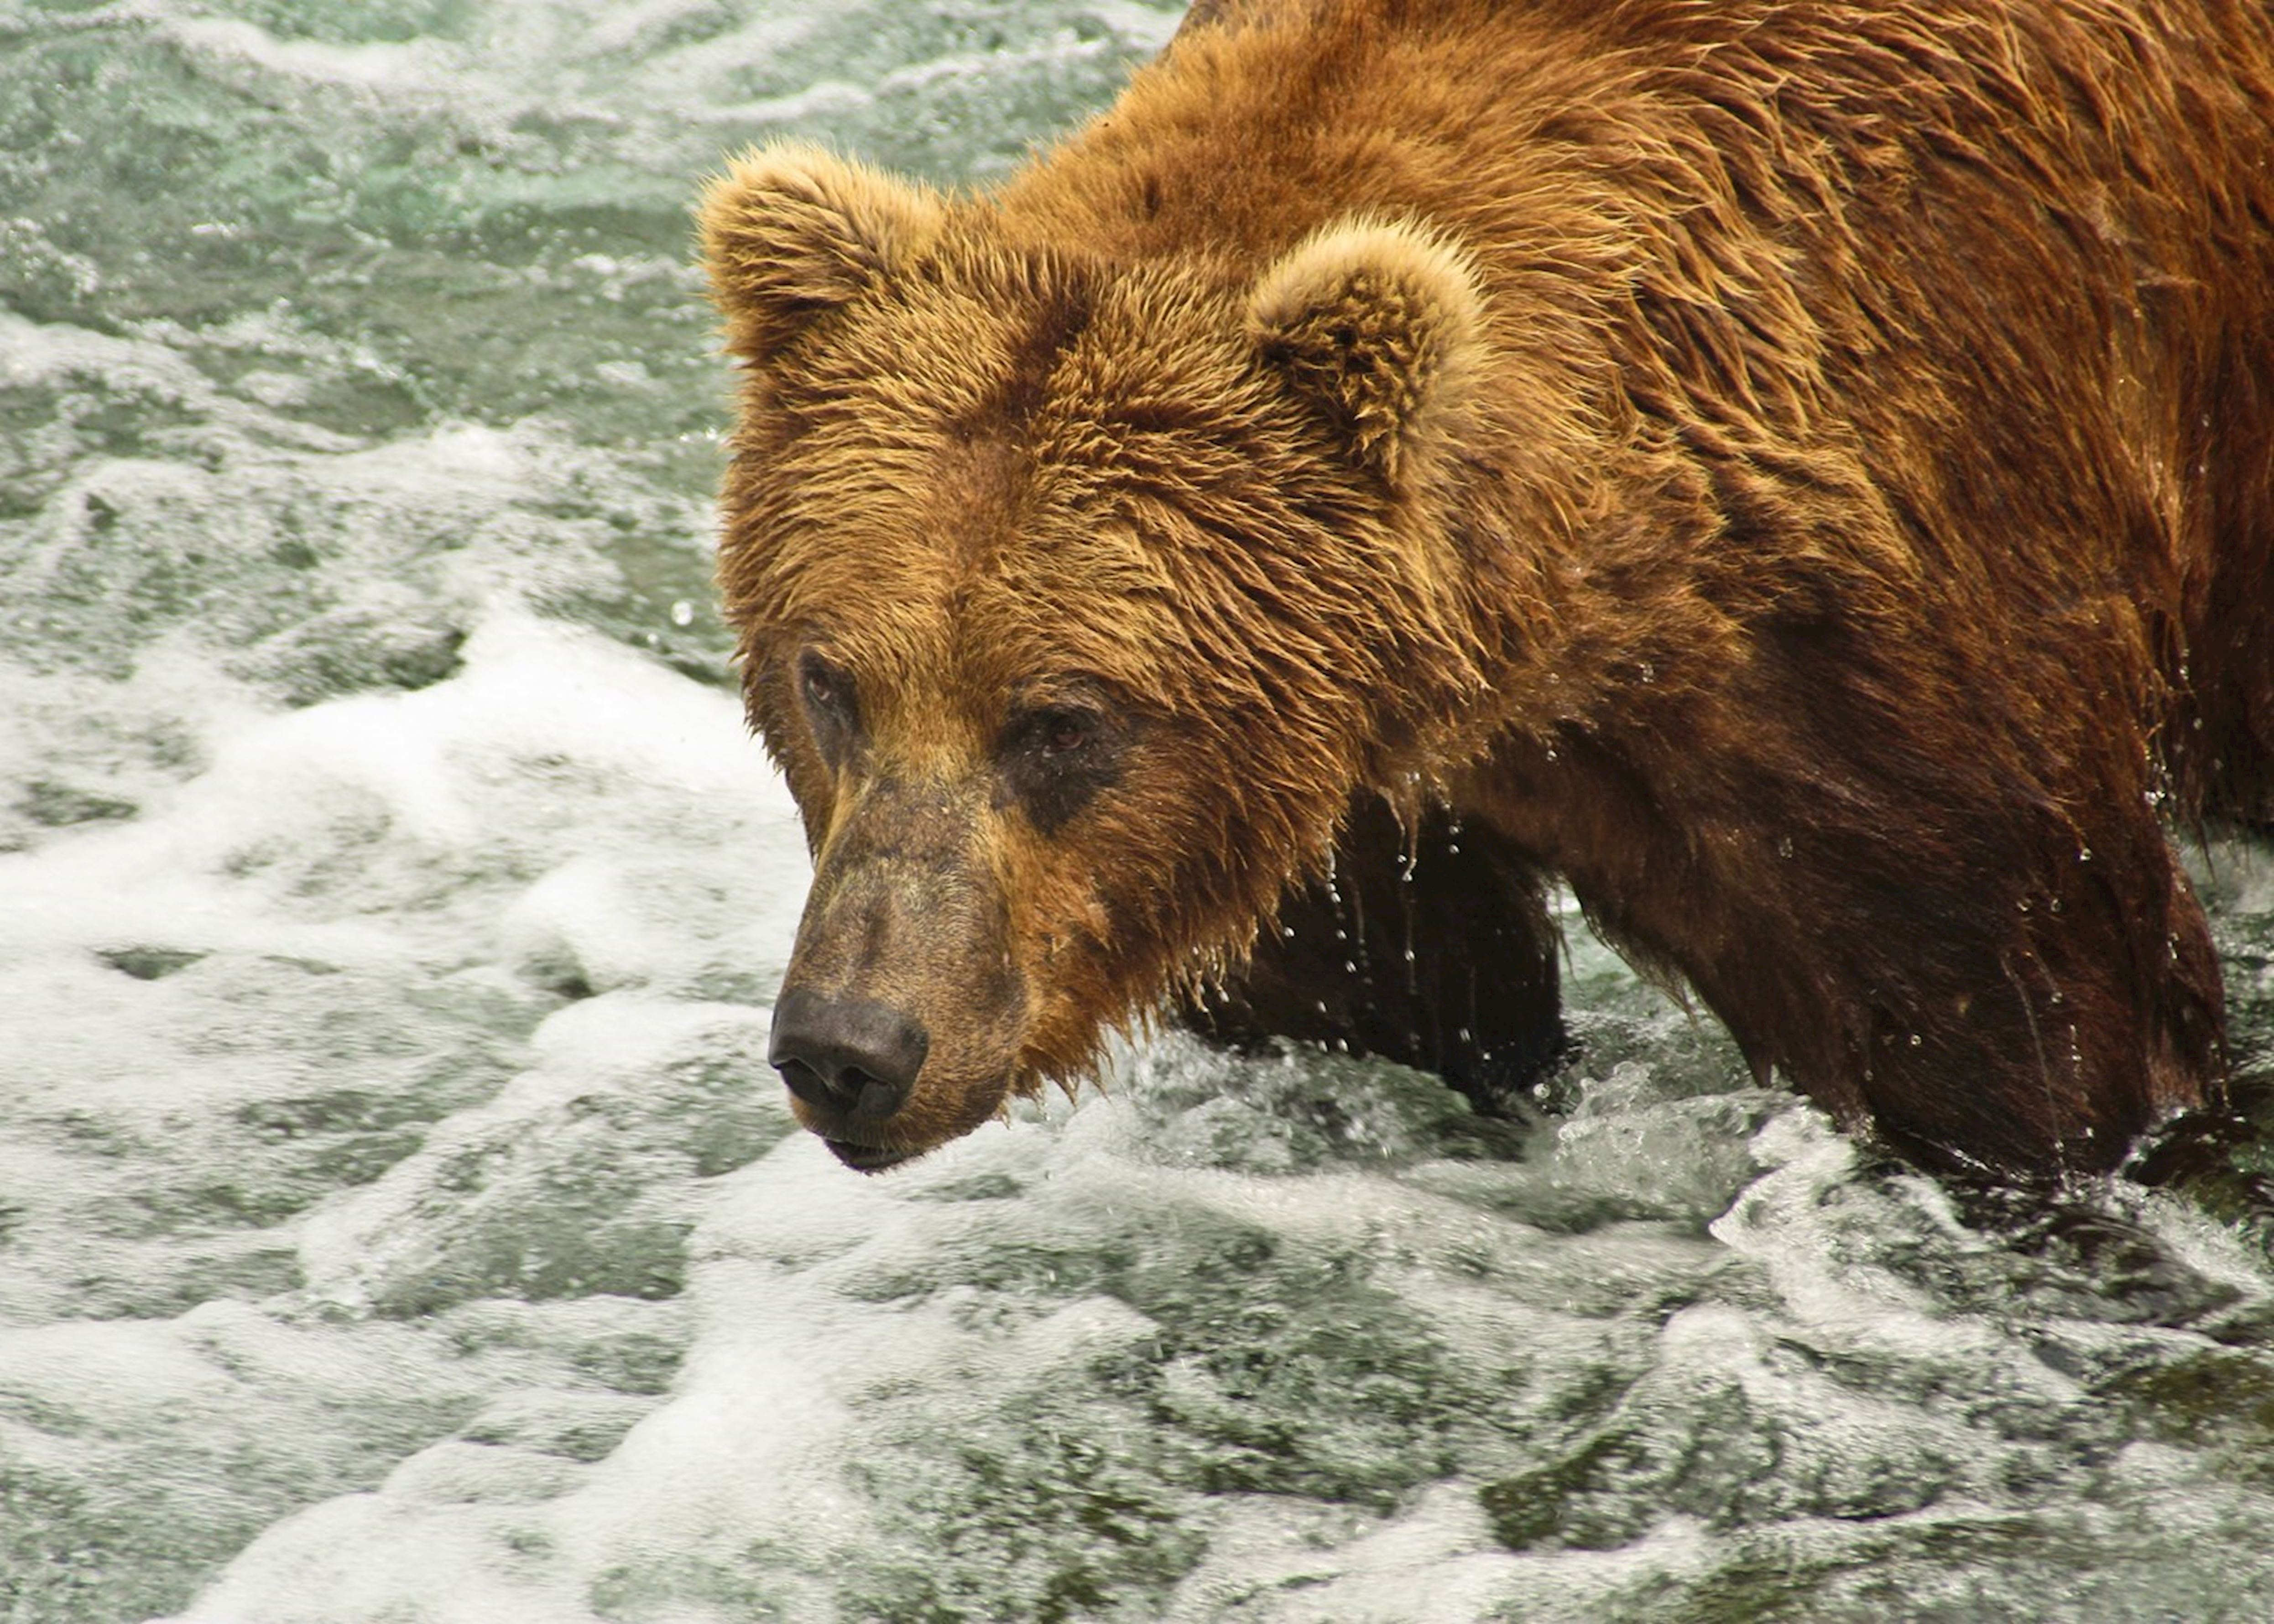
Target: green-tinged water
<point>398,1219</point>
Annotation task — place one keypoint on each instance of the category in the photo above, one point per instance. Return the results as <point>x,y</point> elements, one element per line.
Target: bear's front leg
<point>1432,948</point>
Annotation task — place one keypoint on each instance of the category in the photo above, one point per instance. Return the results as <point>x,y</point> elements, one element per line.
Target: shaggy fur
<point>1803,472</point>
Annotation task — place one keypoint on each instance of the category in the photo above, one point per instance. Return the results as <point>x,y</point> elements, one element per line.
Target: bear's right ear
<point>791,231</point>
<point>1380,325</point>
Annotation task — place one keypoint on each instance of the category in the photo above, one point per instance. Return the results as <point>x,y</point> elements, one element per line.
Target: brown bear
<point>1800,470</point>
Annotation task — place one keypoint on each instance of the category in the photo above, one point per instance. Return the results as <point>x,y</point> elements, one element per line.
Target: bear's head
<point>1076,597</point>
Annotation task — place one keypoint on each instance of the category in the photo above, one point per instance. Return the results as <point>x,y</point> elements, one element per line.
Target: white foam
<point>425,66</point>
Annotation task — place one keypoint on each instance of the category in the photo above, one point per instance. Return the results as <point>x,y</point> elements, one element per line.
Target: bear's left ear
<point>1378,324</point>
<point>791,231</point>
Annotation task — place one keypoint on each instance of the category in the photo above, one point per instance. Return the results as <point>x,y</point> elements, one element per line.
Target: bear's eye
<point>1061,733</point>
<point>1056,758</point>
<point>828,689</point>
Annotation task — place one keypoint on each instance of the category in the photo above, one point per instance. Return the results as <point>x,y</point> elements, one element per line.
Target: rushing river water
<point>398,1219</point>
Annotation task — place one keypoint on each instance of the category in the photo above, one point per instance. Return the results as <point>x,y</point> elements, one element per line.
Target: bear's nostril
<point>806,1083</point>
<point>871,1096</point>
<point>849,1056</point>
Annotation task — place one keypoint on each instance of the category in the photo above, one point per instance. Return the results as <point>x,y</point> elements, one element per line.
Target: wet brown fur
<point>1803,472</point>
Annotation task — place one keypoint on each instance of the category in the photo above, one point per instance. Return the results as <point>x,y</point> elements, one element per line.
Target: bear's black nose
<point>848,1056</point>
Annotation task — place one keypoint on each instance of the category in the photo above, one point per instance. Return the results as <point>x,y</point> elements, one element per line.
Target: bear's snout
<point>900,1016</point>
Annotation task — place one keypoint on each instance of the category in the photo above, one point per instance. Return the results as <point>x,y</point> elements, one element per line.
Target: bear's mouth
<point>867,1158</point>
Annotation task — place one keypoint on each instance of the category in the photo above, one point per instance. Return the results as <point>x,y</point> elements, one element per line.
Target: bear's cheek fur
<point>1106,908</point>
